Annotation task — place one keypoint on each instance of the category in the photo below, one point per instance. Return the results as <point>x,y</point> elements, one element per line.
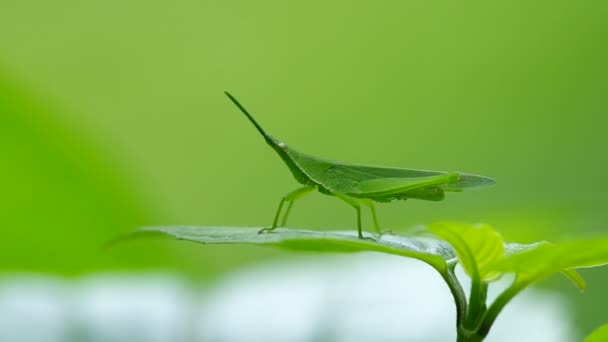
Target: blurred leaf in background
<point>61,197</point>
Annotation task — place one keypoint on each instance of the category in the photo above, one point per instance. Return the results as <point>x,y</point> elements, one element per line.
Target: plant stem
<point>460,298</point>
<point>477,303</point>
<point>498,305</point>
<point>468,336</point>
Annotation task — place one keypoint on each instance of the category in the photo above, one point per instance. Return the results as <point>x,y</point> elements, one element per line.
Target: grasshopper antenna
<point>257,126</point>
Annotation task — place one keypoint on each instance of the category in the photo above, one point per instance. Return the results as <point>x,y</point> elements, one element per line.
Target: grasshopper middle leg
<point>368,202</point>
<point>289,198</point>
<point>356,203</point>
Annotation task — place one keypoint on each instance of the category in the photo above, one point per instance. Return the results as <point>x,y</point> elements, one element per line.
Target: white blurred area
<point>359,297</point>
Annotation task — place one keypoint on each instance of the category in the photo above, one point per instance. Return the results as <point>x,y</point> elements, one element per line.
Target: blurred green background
<point>112,116</point>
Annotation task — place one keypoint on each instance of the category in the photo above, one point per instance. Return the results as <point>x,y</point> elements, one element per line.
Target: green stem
<point>460,298</point>
<point>468,336</point>
<point>477,303</point>
<point>498,305</point>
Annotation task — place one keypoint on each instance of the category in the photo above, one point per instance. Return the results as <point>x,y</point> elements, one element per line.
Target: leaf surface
<point>424,248</point>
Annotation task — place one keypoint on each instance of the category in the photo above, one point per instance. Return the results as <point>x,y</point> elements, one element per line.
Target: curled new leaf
<point>477,246</point>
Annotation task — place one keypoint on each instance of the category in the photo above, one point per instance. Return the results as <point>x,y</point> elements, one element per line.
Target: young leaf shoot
<point>360,185</point>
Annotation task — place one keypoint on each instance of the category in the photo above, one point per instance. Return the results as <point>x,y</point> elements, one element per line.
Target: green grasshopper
<point>360,184</point>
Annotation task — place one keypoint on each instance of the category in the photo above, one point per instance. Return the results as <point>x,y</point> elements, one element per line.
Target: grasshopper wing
<point>387,187</point>
<point>344,177</point>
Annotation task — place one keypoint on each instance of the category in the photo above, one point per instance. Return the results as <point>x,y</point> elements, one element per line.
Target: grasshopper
<point>360,185</point>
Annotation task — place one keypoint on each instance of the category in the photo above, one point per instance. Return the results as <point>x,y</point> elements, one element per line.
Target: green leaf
<point>545,259</point>
<point>55,176</point>
<point>512,248</point>
<point>599,335</point>
<point>572,275</point>
<point>424,248</point>
<point>477,247</point>
<point>553,258</point>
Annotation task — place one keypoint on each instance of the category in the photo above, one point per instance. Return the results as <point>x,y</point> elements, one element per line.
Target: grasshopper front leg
<point>290,198</point>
